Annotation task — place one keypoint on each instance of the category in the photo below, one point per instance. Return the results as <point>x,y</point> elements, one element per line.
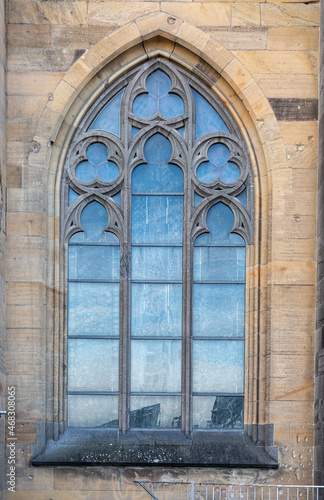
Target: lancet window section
<point>157,202</point>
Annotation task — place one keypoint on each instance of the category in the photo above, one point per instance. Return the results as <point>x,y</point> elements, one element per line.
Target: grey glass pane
<point>171,106</point>
<point>218,366</point>
<point>86,171</point>
<point>94,262</point>
<point>156,263</point>
<point>207,120</point>
<point>93,309</point>
<point>229,173</point>
<point>218,310</point>
<point>219,264</point>
<point>145,105</point>
<point>157,149</point>
<point>220,221</point>
<point>92,411</point>
<point>242,197</point>
<point>157,219</point>
<point>218,154</point>
<point>151,412</point>
<point>156,309</point>
<point>93,365</point>
<point>158,83</point>
<point>218,412</point>
<point>155,365</point>
<point>109,118</point>
<point>97,153</point>
<point>72,195</point>
<point>157,178</point>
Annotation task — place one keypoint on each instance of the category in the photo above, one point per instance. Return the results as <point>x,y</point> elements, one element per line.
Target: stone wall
<point>2,231</point>
<point>58,54</point>
<point>319,368</point>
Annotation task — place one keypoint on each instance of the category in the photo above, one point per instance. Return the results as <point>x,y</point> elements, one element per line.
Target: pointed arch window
<point>158,198</point>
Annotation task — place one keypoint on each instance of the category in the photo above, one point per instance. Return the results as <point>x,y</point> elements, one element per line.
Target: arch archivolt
<point>159,34</point>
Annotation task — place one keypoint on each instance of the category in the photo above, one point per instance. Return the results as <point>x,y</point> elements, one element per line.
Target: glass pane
<point>93,309</point>
<point>207,172</point>
<point>156,365</point>
<point>72,195</point>
<point>157,178</point>
<point>157,149</point>
<point>94,220</point>
<point>86,171</point>
<point>151,412</point>
<point>181,131</point>
<point>157,219</point>
<point>220,221</point>
<point>218,310</point>
<point>218,154</point>
<point>145,106</point>
<point>94,262</point>
<point>219,263</point>
<point>171,106</point>
<point>218,366</point>
<point>97,153</point>
<point>157,309</point>
<point>92,411</point>
<point>109,118</point>
<point>229,173</point>
<point>116,198</point>
<point>157,263</point>
<point>93,365</point>
<point>135,130</point>
<point>218,412</point>
<point>158,83</point>
<point>207,120</point>
<point>242,197</point>
<point>198,199</point>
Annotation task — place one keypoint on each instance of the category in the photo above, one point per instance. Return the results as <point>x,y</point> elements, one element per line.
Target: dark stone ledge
<point>293,109</point>
<point>157,448</point>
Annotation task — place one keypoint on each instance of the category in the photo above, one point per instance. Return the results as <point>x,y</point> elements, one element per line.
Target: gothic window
<point>157,210</point>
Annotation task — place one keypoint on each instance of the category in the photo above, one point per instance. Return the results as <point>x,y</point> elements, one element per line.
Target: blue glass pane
<point>242,197</point>
<point>158,83</point>
<point>157,149</point>
<point>116,198</point>
<point>93,365</point>
<point>97,153</point>
<point>157,178</point>
<point>207,120</point>
<point>219,263</point>
<point>171,105</point>
<point>218,154</point>
<point>156,365</point>
<point>81,411</point>
<point>157,219</point>
<point>109,118</point>
<point>207,172</point>
<point>198,199</point>
<point>107,171</point>
<point>181,131</point>
<point>157,263</point>
<point>152,412</point>
<point>229,173</point>
<point>86,171</point>
<point>72,195</point>
<point>94,220</point>
<point>220,221</point>
<point>218,412</point>
<point>157,309</point>
<point>135,130</point>
<point>145,106</point>
<point>218,310</point>
<point>94,262</point>
<point>93,309</point>
<point>218,366</point>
